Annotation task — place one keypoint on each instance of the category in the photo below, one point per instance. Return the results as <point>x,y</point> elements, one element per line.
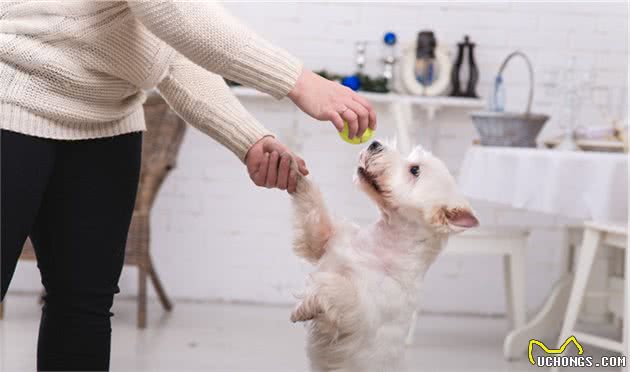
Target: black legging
<point>75,200</point>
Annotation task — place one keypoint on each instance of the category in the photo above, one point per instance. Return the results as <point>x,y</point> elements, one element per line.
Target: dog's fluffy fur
<point>359,301</point>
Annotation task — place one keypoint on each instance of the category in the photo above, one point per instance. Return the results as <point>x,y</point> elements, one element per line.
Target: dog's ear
<point>455,219</point>
<point>460,218</point>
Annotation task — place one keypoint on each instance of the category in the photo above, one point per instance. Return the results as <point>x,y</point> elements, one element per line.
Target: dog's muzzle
<point>369,178</point>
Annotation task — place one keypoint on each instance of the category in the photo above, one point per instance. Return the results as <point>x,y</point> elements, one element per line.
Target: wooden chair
<point>161,143</point>
<point>511,245</point>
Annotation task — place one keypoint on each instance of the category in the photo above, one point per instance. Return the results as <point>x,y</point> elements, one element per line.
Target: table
<point>578,185</point>
<point>573,184</point>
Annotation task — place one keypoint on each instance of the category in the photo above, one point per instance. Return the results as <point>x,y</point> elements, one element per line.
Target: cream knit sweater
<point>77,70</point>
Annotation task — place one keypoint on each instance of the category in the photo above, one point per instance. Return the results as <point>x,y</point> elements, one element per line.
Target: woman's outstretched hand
<point>327,100</point>
<point>271,164</point>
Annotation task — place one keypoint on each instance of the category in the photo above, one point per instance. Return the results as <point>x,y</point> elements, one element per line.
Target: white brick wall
<point>218,237</point>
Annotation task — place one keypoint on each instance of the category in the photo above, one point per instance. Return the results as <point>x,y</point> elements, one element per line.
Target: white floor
<point>235,338</point>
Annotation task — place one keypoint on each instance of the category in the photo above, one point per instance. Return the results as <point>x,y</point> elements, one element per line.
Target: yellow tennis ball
<point>356,140</point>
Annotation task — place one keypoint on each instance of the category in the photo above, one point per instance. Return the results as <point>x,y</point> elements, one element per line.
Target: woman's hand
<point>271,164</point>
<point>327,100</point>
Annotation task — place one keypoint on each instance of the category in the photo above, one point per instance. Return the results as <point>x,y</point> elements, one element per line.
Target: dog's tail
<point>313,225</point>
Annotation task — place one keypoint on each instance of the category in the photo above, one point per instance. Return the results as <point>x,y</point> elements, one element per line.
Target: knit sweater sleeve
<point>204,100</point>
<point>209,36</point>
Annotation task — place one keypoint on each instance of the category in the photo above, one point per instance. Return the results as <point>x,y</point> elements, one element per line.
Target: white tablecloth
<point>580,185</point>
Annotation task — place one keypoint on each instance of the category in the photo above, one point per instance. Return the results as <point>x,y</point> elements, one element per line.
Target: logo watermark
<point>554,359</point>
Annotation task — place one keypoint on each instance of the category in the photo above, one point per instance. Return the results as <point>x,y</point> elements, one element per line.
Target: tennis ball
<point>356,140</point>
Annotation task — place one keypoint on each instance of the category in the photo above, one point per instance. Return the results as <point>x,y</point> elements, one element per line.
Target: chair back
<point>160,148</point>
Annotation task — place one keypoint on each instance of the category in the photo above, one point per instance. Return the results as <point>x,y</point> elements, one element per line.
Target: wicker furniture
<point>161,143</point>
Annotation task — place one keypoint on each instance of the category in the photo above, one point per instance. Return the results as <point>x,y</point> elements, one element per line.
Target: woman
<point>72,76</point>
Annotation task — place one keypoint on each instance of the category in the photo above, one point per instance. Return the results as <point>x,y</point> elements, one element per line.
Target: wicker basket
<point>509,128</point>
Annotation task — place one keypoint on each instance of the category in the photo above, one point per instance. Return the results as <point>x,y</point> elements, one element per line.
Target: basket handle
<point>531,75</point>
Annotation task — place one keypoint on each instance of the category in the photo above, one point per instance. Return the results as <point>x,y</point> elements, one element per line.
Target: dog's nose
<point>375,146</point>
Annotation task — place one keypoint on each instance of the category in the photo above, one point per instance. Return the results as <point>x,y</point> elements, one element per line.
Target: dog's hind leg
<point>313,225</point>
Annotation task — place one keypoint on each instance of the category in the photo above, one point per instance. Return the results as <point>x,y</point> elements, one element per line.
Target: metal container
<point>510,128</point>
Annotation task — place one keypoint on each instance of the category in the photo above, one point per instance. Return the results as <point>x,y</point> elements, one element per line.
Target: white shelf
<point>402,109</point>
<point>434,102</point>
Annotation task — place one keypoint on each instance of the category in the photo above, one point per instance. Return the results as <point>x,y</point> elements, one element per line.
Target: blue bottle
<point>498,96</point>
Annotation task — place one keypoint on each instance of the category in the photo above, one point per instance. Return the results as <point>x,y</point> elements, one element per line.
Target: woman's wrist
<point>298,88</point>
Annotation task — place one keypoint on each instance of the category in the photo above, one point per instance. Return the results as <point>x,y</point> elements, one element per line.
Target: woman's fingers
<point>336,119</point>
<point>260,176</point>
<point>271,164</point>
<point>353,122</point>
<point>362,114</point>
<point>371,113</point>
<point>302,166</point>
<point>283,171</point>
<point>272,172</point>
<point>372,116</point>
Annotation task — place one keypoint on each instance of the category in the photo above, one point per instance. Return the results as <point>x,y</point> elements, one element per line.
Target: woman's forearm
<point>203,100</point>
<point>209,36</point>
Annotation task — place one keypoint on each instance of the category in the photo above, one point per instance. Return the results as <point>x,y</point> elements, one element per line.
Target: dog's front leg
<point>313,225</point>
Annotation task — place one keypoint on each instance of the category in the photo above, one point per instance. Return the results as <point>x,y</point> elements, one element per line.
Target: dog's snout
<point>375,146</point>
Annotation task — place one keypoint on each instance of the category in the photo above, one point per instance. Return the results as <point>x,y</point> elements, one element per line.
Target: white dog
<point>360,299</point>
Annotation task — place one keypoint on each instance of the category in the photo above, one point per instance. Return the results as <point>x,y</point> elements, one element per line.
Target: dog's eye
<point>415,170</point>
